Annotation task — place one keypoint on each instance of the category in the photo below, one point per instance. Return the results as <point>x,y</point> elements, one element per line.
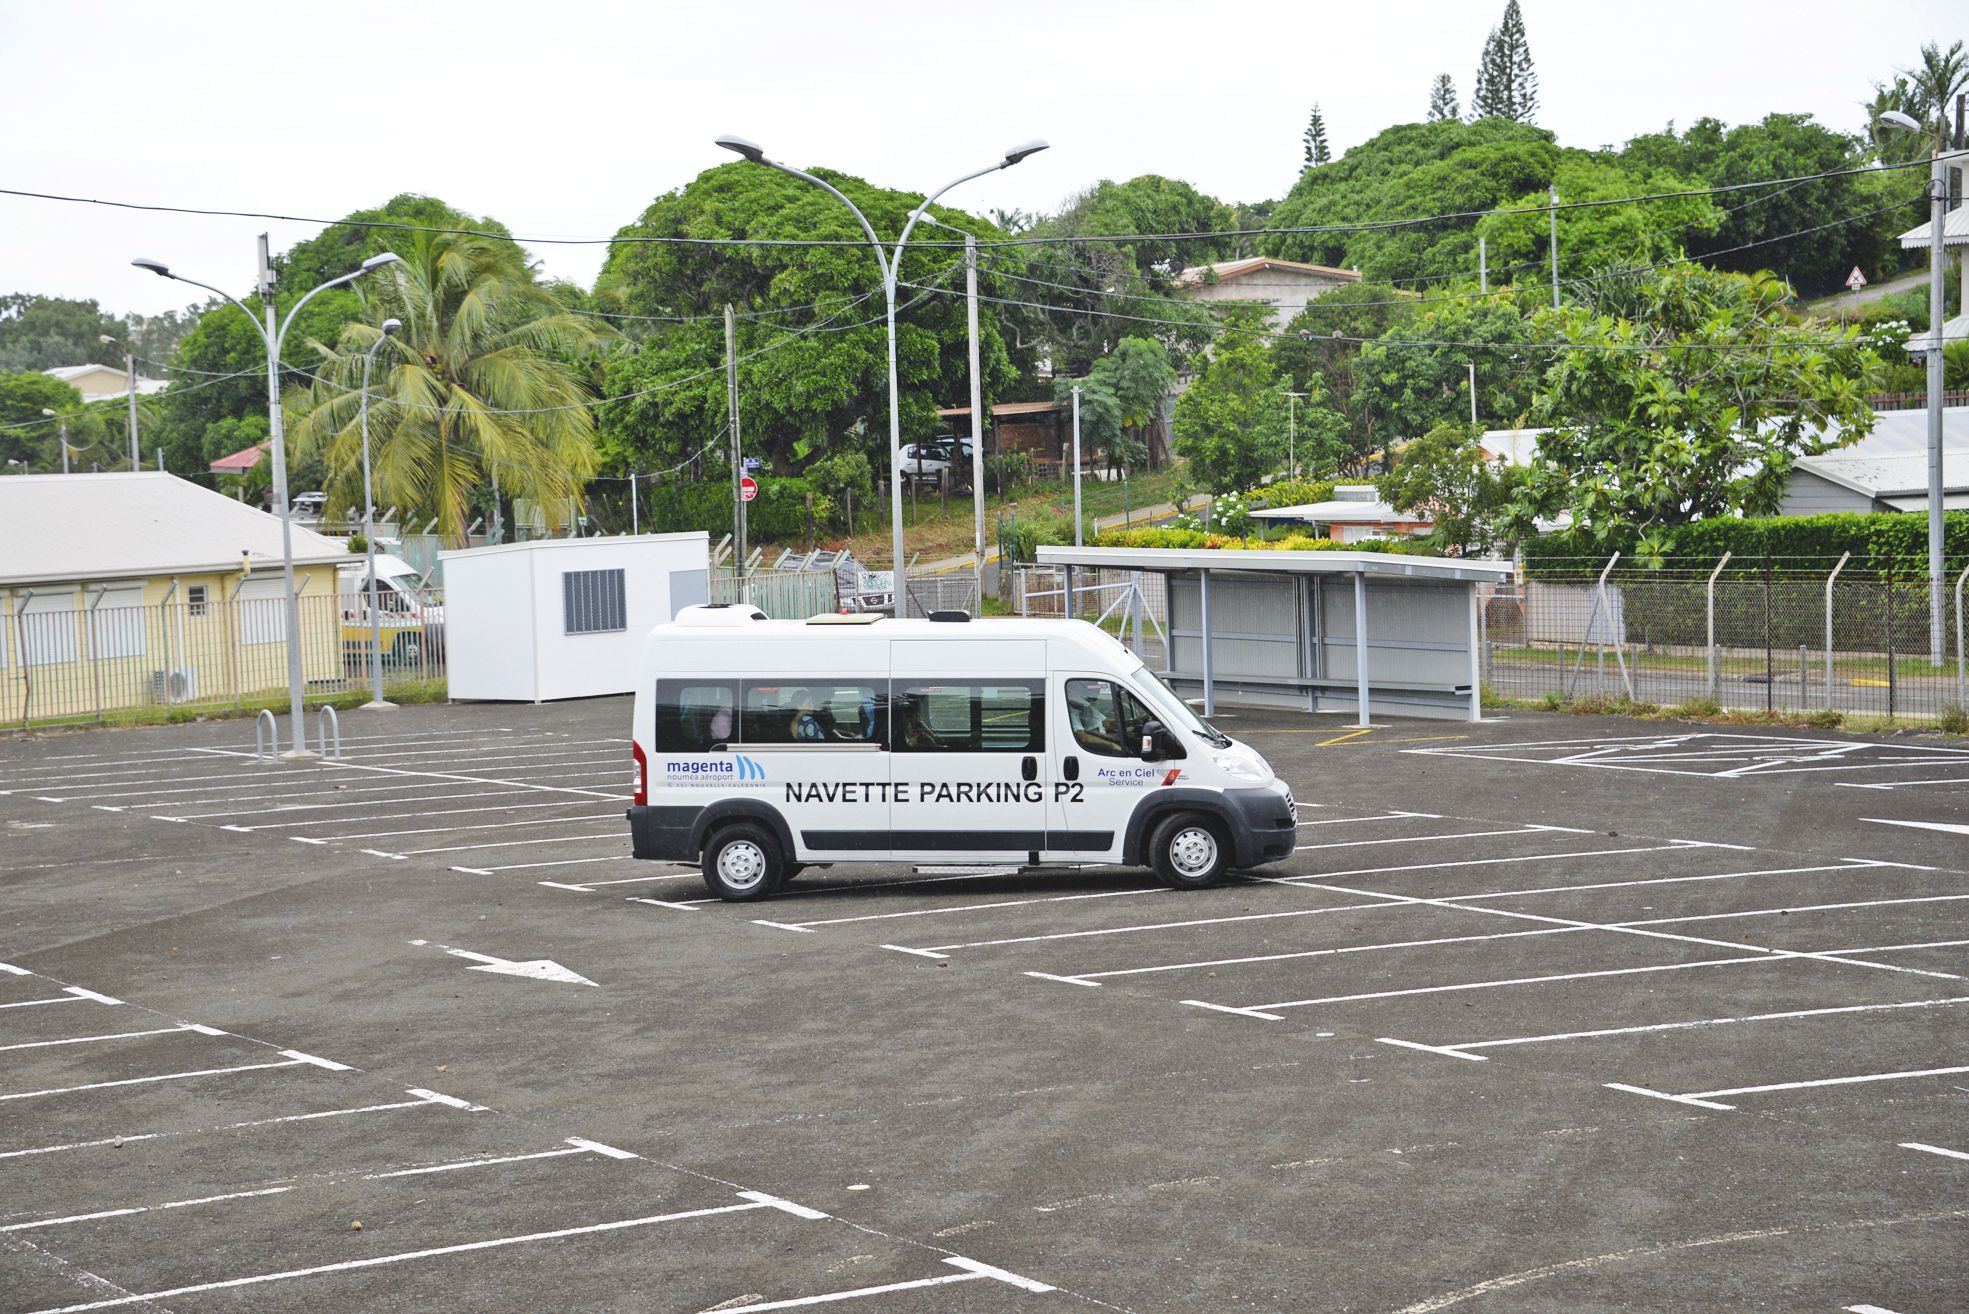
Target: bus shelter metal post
<point>1715,660</point>
<point>1843,559</point>
<point>1360,646</point>
<point>1961,662</point>
<point>1209,689</point>
<point>1476,654</point>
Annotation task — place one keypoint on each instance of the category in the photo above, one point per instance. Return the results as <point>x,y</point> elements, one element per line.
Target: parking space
<point>1686,983</point>
<point>150,1159</point>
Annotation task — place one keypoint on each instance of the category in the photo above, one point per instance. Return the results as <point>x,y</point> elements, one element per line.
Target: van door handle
<point>1029,769</point>
<point>1071,765</point>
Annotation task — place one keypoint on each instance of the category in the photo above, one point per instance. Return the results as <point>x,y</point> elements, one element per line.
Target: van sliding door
<point>968,759</point>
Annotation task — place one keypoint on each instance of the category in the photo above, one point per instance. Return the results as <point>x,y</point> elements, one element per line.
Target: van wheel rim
<point>1194,851</point>
<point>741,864</point>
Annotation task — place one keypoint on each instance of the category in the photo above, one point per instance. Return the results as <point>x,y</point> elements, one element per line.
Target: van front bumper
<point>664,833</point>
<point>1265,823</point>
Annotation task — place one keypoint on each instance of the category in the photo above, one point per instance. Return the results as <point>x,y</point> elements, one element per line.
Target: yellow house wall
<point>225,668</point>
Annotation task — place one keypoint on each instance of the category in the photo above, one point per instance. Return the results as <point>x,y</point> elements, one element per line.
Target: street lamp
<point>1938,195</point>
<point>890,261</point>
<point>977,401</point>
<point>271,337</point>
<point>61,425</point>
<point>129,373</point>
<point>1292,432</point>
<point>376,702</point>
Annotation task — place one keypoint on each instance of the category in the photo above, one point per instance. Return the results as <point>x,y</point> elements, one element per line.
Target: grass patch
<point>403,693</point>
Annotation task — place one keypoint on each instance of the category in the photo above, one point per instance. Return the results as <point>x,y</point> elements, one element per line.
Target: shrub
<point>1953,720</point>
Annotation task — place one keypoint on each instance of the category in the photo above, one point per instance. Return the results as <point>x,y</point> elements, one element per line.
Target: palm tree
<point>1935,81</point>
<point>483,384</point>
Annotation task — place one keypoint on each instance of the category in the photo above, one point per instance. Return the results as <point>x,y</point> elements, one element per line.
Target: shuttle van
<point>763,746</point>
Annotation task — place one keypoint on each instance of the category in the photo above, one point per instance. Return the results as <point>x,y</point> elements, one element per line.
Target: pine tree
<point>1315,139</point>
<point>1442,101</point>
<point>1507,85</point>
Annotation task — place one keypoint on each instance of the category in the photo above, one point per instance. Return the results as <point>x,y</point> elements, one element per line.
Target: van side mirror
<point>1153,738</point>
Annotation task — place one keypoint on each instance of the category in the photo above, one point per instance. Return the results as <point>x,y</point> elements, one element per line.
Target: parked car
<point>308,504</point>
<point>924,464</point>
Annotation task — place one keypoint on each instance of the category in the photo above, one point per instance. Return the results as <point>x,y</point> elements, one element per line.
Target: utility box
<point>563,618</point>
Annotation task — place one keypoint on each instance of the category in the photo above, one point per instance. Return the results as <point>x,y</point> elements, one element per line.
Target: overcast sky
<point>565,119</point>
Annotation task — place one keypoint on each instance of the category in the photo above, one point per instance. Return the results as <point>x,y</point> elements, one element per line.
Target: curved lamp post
<point>272,336</point>
<point>890,260</point>
<point>376,700</point>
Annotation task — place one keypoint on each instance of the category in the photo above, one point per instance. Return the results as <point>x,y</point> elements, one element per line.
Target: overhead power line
<point>1370,226</point>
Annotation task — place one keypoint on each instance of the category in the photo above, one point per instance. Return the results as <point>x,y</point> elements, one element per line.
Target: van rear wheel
<point>742,863</point>
<point>1189,852</point>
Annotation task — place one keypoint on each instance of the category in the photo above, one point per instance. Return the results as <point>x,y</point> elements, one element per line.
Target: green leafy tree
<point>1317,151</point>
<point>40,333</point>
<point>474,388</point>
<point>1696,405</point>
<point>1443,105</point>
<point>1417,375</point>
<point>1597,237</point>
<point>1446,476</point>
<point>1507,85</point>
<point>1139,374</point>
<point>1100,418</point>
<point>1404,171</point>
<point>1319,353</point>
<point>1811,232</point>
<point>26,435</point>
<point>1230,423</point>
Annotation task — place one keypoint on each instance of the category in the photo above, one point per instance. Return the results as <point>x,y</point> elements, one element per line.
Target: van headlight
<point>1245,768</point>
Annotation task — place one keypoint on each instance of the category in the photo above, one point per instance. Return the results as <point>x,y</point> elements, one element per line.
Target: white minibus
<point>763,746</point>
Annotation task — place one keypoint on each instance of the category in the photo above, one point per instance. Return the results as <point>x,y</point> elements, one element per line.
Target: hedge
<point>1884,543</point>
<point>777,515</point>
<point>1196,538</point>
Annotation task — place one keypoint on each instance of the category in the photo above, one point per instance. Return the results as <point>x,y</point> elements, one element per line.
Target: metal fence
<point>781,594</point>
<point>1757,639</point>
<point>1132,605</point>
<point>62,663</point>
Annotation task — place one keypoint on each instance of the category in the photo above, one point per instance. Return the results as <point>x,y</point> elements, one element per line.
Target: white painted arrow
<point>1950,827</point>
<point>539,969</point>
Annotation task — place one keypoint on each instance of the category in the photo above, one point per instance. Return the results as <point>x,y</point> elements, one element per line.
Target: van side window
<point>1007,717</point>
<point>693,717</point>
<point>1107,720</point>
<point>822,712</point>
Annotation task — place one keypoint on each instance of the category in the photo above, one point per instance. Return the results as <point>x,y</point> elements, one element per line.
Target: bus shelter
<point>1365,632</point>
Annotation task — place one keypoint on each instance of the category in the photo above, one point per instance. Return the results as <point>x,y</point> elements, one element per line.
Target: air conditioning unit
<point>177,685</point>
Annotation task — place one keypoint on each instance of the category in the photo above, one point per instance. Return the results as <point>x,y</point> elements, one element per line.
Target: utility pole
<point>1553,210</point>
<point>1292,433</point>
<point>1473,390</point>
<point>738,460</point>
<point>1938,208</point>
<point>635,520</point>
<point>1483,264</point>
<point>977,412</point>
<point>1076,471</point>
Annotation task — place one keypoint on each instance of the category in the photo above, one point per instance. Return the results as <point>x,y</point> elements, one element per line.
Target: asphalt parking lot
<point>1546,1014</point>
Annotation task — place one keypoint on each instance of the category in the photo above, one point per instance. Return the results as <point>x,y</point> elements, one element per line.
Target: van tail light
<point>642,774</point>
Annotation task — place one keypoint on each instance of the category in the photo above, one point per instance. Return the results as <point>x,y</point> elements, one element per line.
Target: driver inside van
<point>1091,713</point>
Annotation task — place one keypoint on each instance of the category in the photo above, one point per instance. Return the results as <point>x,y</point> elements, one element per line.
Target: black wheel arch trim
<point>742,809</point>
<point>1135,846</point>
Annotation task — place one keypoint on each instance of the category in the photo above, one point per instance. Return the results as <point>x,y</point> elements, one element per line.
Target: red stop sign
<point>748,488</point>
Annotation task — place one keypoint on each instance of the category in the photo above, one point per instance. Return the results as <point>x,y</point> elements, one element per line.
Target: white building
<point>564,617</point>
<point>103,382</point>
<point>1286,286</point>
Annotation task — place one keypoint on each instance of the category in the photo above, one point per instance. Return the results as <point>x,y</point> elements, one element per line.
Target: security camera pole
<point>890,261</point>
<point>271,337</point>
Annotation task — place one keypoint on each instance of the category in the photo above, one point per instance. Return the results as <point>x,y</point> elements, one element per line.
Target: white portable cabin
<point>563,617</point>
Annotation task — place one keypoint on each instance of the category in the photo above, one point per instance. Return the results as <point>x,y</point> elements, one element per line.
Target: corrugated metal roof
<point>1343,512</point>
<point>1225,270</point>
<point>1272,561</point>
<point>135,525</point>
<point>1955,231</point>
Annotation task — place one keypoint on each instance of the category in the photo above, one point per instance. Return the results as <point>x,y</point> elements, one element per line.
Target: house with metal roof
<point>1286,286</point>
<point>103,382</point>
<point>1355,512</point>
<point>1955,237</point>
<point>126,588</point>
<point>1885,471</point>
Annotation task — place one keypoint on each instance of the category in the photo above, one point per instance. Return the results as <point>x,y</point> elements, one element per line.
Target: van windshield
<point>1174,710</point>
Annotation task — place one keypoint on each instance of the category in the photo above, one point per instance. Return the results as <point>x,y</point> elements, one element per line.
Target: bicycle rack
<point>266,737</point>
<point>328,730</point>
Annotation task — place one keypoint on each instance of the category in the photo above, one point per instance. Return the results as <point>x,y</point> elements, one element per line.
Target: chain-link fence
<point>64,662</point>
<point>1750,636</point>
<point>781,594</point>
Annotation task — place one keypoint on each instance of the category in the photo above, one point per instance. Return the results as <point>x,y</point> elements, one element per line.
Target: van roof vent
<point>950,616</point>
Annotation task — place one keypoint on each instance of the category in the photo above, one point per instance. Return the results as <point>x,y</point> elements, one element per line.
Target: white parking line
<point>616,835</point>
<point>1515,981</point>
<point>1425,839</point>
<point>1824,1081</point>
<point>1934,1149</point>
<point>142,1209</point>
<point>374,1261</point>
<point>390,816</point>
<point>976,907</point>
<point>143,1081</point>
<point>490,825</point>
<point>425,1099</point>
<point>1159,926</point>
<point>483,780</point>
<point>114,1035</point>
<point>1315,953</point>
<point>1684,1026</point>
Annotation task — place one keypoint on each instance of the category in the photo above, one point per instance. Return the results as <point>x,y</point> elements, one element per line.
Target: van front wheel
<point>1189,852</point>
<point>743,862</point>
